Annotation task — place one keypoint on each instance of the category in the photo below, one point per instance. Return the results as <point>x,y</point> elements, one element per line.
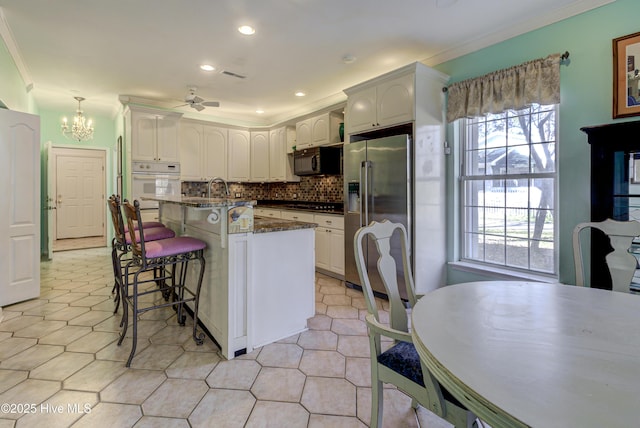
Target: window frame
<point>504,269</point>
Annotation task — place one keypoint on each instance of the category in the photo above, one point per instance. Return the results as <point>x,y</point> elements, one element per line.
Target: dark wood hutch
<point>613,192</point>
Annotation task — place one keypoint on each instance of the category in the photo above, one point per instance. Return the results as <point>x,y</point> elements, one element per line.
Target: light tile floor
<point>78,243</point>
<point>60,365</point>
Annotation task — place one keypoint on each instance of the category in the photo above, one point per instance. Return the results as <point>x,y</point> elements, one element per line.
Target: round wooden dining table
<point>534,354</point>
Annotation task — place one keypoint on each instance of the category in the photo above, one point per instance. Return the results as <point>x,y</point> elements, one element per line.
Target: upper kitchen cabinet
<point>154,134</point>
<point>320,130</point>
<point>280,163</point>
<point>203,151</point>
<point>393,99</point>
<point>259,164</point>
<point>239,155</point>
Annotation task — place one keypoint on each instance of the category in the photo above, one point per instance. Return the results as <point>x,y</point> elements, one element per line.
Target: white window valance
<point>536,81</point>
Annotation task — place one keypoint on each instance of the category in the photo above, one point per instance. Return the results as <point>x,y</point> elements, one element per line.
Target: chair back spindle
<point>132,213</point>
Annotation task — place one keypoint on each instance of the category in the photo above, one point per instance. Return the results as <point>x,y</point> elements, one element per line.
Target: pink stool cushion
<point>152,234</point>
<point>173,246</point>
<point>145,225</point>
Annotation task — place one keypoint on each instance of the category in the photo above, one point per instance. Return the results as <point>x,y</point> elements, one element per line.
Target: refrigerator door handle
<point>360,192</point>
<point>365,165</point>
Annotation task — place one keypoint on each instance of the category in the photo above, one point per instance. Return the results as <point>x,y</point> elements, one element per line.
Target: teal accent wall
<point>104,137</point>
<point>586,99</point>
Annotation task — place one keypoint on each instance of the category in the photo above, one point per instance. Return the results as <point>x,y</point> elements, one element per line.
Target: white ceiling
<point>152,49</point>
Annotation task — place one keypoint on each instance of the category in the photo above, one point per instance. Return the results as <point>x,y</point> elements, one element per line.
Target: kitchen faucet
<point>214,179</point>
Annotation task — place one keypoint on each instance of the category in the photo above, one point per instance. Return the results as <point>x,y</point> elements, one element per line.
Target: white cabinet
<point>266,212</point>
<point>320,130</point>
<point>382,102</point>
<point>303,134</point>
<point>203,151</point>
<point>280,162</point>
<point>330,243</point>
<point>297,215</point>
<point>281,300</point>
<point>412,96</point>
<point>329,236</point>
<point>239,155</point>
<point>153,134</point>
<point>290,139</point>
<point>260,156</point>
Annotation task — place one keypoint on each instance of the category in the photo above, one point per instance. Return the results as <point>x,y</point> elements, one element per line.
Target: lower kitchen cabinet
<point>280,300</point>
<point>330,243</point>
<point>329,236</point>
<point>297,216</point>
<point>267,212</point>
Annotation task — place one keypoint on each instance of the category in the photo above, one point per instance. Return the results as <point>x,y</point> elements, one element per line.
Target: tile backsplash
<point>313,188</point>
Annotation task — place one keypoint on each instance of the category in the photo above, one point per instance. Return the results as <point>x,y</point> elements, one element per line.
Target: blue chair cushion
<point>403,358</point>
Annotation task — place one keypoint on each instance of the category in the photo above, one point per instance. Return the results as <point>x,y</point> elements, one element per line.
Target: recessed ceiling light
<point>246,30</point>
<point>300,94</point>
<point>207,67</point>
<point>259,111</point>
<point>348,59</point>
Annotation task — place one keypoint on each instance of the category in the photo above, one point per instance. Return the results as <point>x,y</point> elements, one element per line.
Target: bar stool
<point>121,242</point>
<point>172,257</point>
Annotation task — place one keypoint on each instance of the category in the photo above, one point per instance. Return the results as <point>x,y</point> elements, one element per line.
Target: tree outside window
<point>509,187</point>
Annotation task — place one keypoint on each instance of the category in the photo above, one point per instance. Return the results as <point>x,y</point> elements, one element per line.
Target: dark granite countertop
<point>268,224</point>
<point>199,202</point>
<point>311,206</point>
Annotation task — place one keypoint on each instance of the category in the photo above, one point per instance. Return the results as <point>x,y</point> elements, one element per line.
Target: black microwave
<point>317,160</point>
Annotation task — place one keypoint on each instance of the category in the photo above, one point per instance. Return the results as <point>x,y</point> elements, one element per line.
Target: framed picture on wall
<point>626,77</point>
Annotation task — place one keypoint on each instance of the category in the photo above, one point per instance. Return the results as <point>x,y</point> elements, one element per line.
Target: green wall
<point>586,99</point>
<point>104,137</point>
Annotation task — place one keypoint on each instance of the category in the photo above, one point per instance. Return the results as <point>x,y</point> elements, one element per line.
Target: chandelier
<point>81,130</point>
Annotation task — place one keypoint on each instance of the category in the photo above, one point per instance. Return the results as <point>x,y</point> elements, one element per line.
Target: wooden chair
<point>622,265</point>
<point>399,365</point>
<point>171,258</point>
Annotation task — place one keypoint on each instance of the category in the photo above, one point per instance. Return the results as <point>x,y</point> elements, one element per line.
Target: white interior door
<point>20,211</point>
<point>80,198</point>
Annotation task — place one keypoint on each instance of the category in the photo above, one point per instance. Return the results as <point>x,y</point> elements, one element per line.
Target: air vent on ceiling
<point>232,74</point>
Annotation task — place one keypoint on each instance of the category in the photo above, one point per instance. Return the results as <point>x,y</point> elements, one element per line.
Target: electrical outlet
<point>295,196</point>
<point>238,195</point>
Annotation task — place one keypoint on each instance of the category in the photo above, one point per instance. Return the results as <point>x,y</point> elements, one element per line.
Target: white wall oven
<point>151,179</point>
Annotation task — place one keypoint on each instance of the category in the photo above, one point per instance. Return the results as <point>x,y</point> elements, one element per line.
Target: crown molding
<point>10,43</point>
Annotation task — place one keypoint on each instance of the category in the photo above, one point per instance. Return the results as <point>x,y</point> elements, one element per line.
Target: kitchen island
<point>259,281</point>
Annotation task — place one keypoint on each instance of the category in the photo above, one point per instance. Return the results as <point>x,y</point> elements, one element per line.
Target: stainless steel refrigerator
<point>377,186</point>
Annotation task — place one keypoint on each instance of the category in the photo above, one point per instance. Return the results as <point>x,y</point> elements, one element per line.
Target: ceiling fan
<point>194,101</point>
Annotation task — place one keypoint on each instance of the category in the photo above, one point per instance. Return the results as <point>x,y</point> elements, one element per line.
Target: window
<point>508,188</point>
